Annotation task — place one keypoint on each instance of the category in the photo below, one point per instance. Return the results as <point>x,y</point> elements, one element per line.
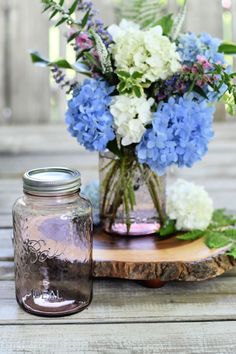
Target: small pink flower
<point>194,69</point>
<point>200,83</point>
<point>204,62</point>
<point>83,41</point>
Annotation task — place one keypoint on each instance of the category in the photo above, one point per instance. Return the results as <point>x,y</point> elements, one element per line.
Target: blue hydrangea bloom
<point>88,116</point>
<point>190,46</point>
<point>180,133</point>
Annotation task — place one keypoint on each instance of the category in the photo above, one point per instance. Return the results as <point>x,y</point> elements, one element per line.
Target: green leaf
<point>221,219</point>
<point>113,147</point>
<point>216,239</point>
<point>168,228</point>
<point>166,23</point>
<point>227,48</point>
<point>91,58</point>
<point>54,13</point>
<point>73,7</point>
<point>61,3</point>
<point>121,87</point>
<point>200,91</point>
<point>230,233</point>
<point>46,8</point>
<point>61,21</point>
<point>192,235</point>
<point>85,19</point>
<point>123,74</point>
<point>62,63</point>
<point>137,90</point>
<point>73,36</point>
<point>80,54</point>
<point>38,59</point>
<point>232,252</point>
<point>46,2</point>
<point>136,75</point>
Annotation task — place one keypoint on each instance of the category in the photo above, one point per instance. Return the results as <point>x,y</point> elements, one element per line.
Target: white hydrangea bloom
<point>131,115</point>
<point>190,205</point>
<point>118,31</point>
<point>148,52</point>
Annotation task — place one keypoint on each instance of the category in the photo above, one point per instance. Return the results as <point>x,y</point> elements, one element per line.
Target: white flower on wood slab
<point>190,205</point>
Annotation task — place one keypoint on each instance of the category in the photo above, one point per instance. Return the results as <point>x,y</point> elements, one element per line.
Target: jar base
<point>45,308</point>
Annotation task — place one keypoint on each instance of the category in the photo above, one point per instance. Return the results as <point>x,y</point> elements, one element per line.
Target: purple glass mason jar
<point>52,227</point>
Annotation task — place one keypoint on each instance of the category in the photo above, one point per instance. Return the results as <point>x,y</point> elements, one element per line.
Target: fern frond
<point>179,21</point>
<point>144,12</point>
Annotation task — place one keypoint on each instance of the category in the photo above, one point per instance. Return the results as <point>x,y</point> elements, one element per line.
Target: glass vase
<point>132,196</point>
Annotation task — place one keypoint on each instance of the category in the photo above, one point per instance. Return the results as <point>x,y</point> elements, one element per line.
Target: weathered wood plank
<point>203,18</point>
<point>30,139</point>
<point>5,220</point>
<point>6,248</point>
<point>6,270</point>
<point>2,45</point>
<point>233,11</point>
<point>105,10</point>
<point>123,338</point>
<point>18,164</point>
<point>120,302</point>
<point>30,96</point>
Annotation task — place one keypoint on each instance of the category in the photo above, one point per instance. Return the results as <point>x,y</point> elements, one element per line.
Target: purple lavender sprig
<point>60,78</point>
<point>92,22</point>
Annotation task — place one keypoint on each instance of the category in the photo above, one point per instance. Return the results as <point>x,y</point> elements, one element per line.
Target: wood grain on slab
<point>145,258</point>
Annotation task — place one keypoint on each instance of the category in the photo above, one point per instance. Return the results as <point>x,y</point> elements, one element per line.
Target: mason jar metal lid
<point>51,181</point>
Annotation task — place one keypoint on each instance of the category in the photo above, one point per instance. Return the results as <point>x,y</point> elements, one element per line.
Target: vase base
<point>136,229</point>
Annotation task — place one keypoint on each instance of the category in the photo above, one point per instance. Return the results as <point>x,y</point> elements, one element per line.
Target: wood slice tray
<point>149,258</point>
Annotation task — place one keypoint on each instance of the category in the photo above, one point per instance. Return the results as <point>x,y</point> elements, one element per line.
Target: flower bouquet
<point>147,104</point>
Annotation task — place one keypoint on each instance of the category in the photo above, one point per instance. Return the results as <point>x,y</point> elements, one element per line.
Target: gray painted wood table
<point>124,317</point>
